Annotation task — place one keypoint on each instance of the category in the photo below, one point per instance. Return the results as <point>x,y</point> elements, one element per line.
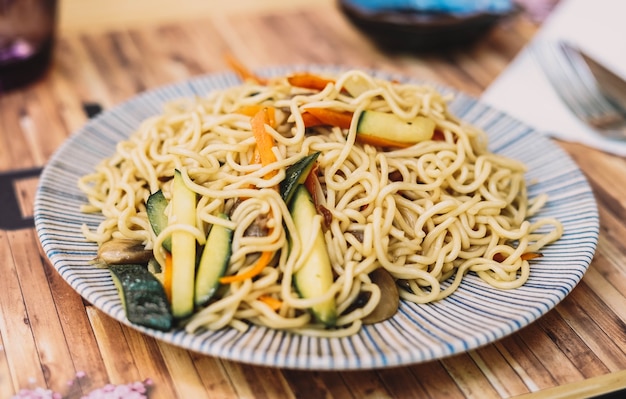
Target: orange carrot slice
<point>530,255</point>
<point>242,71</point>
<point>258,267</point>
<point>498,257</point>
<point>308,80</point>
<point>252,110</point>
<point>332,117</point>
<point>264,141</point>
<point>310,120</point>
<point>270,301</point>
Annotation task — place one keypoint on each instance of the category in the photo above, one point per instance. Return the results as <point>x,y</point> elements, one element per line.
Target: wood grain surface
<point>48,333</point>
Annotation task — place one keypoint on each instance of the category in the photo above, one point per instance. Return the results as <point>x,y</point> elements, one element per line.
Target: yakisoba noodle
<point>428,214</point>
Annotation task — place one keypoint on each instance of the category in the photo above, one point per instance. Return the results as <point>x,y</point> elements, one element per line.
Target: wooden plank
<point>570,346</point>
<point>76,69</point>
<point>530,366</point>
<point>40,312</point>
<point>598,327</point>
<point>150,363</point>
<point>468,376</point>
<point>213,375</point>
<point>6,387</point>
<point>524,377</point>
<point>395,381</point>
<point>77,329</point>
<point>316,384</point>
<point>164,66</point>
<point>114,348</point>
<point>243,379</point>
<point>591,387</point>
<point>110,65</point>
<point>365,384</point>
<point>94,16</point>
<point>436,380</point>
<point>271,382</point>
<point>43,128</point>
<point>498,371</point>
<point>256,381</point>
<point>68,99</point>
<point>18,344</point>
<point>25,190</point>
<point>184,376</point>
<point>608,283</point>
<point>596,165</point>
<point>14,152</point>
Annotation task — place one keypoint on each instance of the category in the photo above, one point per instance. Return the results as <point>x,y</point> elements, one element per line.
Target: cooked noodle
<point>428,214</point>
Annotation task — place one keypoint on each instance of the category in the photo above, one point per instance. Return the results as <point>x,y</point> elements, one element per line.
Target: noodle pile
<point>428,214</point>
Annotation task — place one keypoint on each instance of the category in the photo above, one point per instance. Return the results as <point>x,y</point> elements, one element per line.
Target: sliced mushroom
<point>258,228</point>
<point>389,297</point>
<point>119,251</point>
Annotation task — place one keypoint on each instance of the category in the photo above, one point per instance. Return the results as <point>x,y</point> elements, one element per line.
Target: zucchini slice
<point>143,296</point>
<point>315,277</point>
<point>183,248</point>
<point>155,206</point>
<point>296,174</point>
<point>356,85</point>
<point>213,262</point>
<point>387,129</point>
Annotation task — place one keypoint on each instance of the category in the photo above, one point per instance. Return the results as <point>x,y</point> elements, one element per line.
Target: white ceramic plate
<point>474,316</point>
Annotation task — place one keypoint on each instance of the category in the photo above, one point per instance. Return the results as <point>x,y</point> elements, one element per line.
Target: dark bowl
<point>411,30</point>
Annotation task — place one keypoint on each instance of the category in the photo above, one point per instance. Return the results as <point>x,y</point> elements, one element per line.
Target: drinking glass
<point>27,30</point>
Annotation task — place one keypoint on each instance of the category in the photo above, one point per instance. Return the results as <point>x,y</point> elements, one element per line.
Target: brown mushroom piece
<point>120,251</point>
<point>389,297</point>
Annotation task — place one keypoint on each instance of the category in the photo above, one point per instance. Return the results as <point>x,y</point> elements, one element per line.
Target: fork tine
<point>560,76</point>
<point>575,84</point>
<point>602,111</point>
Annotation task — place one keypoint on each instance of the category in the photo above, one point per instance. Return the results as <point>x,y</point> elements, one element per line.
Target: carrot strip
<point>310,120</point>
<point>331,117</point>
<point>252,110</point>
<point>242,71</point>
<point>498,257</point>
<point>308,80</point>
<point>167,276</point>
<point>264,141</point>
<point>270,301</point>
<point>264,260</point>
<point>530,255</point>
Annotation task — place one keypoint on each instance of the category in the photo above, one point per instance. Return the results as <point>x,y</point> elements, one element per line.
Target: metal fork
<point>574,82</point>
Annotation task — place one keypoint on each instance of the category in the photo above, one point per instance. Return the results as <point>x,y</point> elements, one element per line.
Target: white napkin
<point>598,27</point>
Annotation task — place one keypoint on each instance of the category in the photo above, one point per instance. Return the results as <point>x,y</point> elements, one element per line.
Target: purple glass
<point>27,29</point>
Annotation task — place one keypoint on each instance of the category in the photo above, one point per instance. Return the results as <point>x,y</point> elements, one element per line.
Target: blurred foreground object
<point>27,30</point>
<point>425,24</point>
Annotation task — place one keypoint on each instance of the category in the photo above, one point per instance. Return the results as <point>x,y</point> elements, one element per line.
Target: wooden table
<point>48,333</point>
